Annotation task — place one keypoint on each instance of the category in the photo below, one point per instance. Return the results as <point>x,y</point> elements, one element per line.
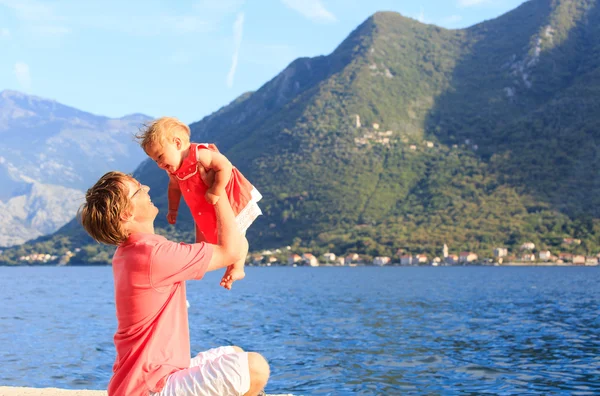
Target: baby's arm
<point>217,162</point>
<point>174,195</point>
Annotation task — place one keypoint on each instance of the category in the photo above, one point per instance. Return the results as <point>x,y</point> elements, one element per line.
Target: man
<point>152,340</point>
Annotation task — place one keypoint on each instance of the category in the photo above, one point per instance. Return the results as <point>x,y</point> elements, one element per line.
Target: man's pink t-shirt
<point>152,338</point>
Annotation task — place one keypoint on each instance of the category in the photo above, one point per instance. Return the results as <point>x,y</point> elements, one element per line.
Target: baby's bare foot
<point>231,276</point>
<point>237,274</point>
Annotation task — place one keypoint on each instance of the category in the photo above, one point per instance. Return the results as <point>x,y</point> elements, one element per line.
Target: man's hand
<point>215,171</point>
<point>212,196</point>
<point>207,176</point>
<point>172,216</point>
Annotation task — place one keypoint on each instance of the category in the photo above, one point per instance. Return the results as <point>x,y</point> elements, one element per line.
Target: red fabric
<point>193,189</point>
<point>152,338</point>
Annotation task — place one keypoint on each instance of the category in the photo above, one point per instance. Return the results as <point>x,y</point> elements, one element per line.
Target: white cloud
<point>421,17</point>
<point>60,18</point>
<point>37,17</point>
<point>238,32</point>
<point>470,3</point>
<point>311,9</point>
<point>30,10</point>
<point>23,75</point>
<point>202,17</point>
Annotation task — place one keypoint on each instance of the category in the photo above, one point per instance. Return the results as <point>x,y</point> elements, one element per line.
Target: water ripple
<point>332,331</point>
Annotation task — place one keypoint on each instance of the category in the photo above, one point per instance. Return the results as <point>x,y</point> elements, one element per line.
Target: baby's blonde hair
<point>161,129</point>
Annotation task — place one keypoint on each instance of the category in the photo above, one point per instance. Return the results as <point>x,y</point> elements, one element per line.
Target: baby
<point>200,173</point>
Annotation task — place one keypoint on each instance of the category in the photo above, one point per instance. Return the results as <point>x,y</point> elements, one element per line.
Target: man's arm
<point>175,262</point>
<point>217,162</point>
<point>231,245</point>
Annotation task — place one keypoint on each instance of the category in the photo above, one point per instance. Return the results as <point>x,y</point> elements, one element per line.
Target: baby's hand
<point>231,275</point>
<point>172,216</point>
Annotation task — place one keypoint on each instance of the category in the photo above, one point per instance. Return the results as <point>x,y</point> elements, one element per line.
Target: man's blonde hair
<point>161,129</point>
<point>100,215</point>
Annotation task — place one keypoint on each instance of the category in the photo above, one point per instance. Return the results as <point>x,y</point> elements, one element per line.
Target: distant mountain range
<point>39,209</point>
<point>49,154</point>
<point>409,136</point>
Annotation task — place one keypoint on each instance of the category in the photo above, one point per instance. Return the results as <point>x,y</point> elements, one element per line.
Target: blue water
<point>362,330</point>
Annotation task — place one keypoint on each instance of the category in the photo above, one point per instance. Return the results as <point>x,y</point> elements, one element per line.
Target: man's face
<point>142,208</point>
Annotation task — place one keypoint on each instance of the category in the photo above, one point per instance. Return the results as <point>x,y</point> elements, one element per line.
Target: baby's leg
<point>235,271</point>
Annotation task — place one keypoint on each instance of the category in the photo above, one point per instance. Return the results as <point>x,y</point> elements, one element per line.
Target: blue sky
<point>184,58</point>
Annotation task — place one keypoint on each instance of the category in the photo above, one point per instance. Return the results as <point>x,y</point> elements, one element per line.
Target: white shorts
<point>216,372</point>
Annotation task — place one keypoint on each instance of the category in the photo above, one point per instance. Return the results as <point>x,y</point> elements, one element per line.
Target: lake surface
<point>338,331</point>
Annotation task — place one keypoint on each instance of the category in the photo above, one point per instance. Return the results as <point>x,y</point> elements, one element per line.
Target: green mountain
<point>409,136</point>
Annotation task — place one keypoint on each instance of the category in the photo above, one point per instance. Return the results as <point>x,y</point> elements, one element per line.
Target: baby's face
<point>168,155</point>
